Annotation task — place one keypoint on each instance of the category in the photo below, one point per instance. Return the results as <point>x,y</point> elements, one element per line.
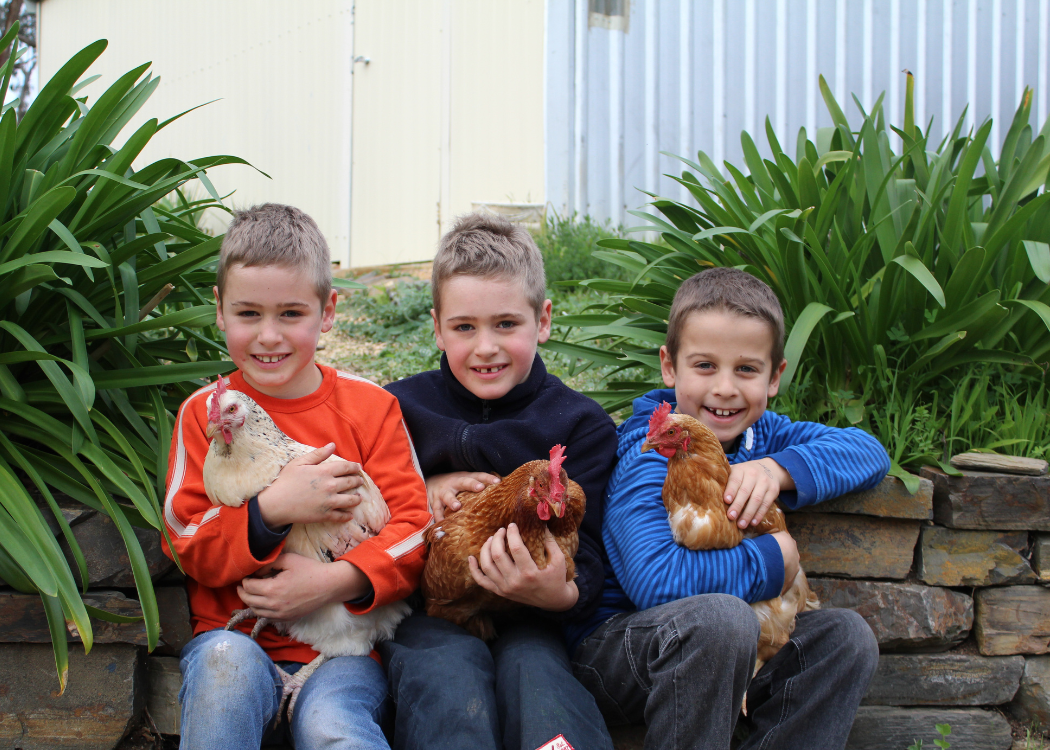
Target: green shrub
<point>898,273</point>
<point>567,245</point>
<point>106,325</point>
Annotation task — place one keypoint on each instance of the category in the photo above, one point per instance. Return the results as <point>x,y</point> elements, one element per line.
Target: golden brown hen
<point>697,474</point>
<point>527,497</point>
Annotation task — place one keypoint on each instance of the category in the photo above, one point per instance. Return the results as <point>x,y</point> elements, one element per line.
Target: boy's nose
<point>724,386</point>
<point>269,335</point>
<point>486,346</point>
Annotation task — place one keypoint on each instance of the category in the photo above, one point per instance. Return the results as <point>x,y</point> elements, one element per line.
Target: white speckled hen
<point>247,453</point>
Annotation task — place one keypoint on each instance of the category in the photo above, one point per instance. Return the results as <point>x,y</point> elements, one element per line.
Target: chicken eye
<point>671,431</point>
<point>232,409</point>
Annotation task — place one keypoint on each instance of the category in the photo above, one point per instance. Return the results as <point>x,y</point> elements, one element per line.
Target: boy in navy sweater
<point>491,408</point>
<point>674,641</point>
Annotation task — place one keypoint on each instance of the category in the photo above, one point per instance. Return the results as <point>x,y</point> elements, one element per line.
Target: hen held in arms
<point>537,496</point>
<point>697,475</point>
<point>246,455</point>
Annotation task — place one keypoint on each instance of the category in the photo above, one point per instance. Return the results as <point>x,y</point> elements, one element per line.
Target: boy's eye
<point>705,365</point>
<point>247,314</point>
<point>506,324</point>
<point>463,327</point>
<point>292,314</point>
<point>747,369</point>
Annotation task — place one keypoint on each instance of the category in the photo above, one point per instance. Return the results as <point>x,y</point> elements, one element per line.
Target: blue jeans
<point>454,691</point>
<point>684,667</point>
<point>231,691</point>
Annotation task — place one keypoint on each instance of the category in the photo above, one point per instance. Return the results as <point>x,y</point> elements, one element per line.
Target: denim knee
<point>857,642</point>
<point>722,617</point>
<point>222,662</point>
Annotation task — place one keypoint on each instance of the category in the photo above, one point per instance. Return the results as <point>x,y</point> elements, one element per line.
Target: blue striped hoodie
<point>647,568</point>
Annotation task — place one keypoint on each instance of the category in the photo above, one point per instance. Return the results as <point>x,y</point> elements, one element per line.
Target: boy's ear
<point>437,330</point>
<point>666,367</point>
<point>774,381</point>
<point>218,310</point>
<point>544,331</point>
<point>328,312</point>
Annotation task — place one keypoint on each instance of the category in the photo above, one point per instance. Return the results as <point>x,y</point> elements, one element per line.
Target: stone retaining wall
<point>951,580</point>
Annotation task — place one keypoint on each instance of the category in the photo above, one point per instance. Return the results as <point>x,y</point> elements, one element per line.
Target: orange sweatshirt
<point>364,422</point>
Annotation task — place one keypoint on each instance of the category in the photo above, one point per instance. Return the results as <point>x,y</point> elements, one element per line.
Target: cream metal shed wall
<point>448,110</point>
<point>280,72</point>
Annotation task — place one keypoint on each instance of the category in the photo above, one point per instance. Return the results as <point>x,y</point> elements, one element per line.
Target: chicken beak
<point>558,507</point>
<point>210,431</point>
<point>647,446</point>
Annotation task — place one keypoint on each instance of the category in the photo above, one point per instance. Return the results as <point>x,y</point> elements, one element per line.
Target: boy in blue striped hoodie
<point>674,641</point>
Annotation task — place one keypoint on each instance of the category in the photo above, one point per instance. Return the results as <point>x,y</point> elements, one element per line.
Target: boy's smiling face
<point>272,318</point>
<point>723,374</point>
<point>489,332</point>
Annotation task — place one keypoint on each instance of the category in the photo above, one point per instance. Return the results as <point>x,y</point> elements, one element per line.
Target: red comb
<point>557,458</point>
<point>213,412</point>
<point>656,421</point>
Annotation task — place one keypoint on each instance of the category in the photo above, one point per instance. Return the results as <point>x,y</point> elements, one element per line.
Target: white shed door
<point>397,99</point>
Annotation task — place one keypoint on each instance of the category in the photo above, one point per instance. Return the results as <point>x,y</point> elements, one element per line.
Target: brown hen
<point>537,496</point>
<point>697,475</point>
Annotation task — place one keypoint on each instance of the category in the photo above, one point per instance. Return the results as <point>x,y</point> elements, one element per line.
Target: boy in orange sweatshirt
<point>275,297</point>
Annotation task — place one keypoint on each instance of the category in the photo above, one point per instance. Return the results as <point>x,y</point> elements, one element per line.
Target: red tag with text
<point>558,743</point>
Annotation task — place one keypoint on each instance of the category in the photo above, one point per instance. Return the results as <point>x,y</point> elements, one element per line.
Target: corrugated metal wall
<point>690,75</point>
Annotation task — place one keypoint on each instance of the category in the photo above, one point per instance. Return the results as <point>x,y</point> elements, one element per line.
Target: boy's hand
<point>752,488</point>
<point>293,586</point>
<point>443,488</point>
<point>790,552</point>
<point>308,490</point>
<point>506,568</point>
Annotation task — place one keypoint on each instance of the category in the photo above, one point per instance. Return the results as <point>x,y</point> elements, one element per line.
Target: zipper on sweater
<point>485,411</point>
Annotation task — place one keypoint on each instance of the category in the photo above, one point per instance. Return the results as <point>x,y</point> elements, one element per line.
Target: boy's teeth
<point>724,412</point>
<point>269,359</point>
<point>487,370</point>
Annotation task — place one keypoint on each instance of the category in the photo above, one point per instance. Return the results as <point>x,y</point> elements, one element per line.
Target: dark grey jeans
<point>683,668</point>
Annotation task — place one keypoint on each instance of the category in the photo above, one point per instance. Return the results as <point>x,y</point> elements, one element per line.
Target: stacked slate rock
<point>953,582</point>
<point>108,688</point>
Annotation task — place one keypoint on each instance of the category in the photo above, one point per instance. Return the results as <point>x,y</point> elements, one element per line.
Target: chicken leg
<point>240,615</point>
<point>293,683</point>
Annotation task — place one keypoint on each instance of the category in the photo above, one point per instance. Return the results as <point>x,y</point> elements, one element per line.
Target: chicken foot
<point>293,683</point>
<point>241,615</point>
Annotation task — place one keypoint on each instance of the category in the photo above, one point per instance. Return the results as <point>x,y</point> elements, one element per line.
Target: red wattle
<point>543,511</point>
<point>227,436</point>
<point>666,451</point>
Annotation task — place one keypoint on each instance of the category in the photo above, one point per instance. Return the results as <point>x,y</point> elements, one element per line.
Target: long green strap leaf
<point>922,274</point>
<point>798,338</point>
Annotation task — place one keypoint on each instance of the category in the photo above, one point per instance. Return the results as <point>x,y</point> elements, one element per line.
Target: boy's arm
<point>393,559</point>
<point>211,541</point>
<point>653,569</point>
<point>825,462</point>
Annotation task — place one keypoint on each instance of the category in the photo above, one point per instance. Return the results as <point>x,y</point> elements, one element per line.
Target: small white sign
<point>558,743</point>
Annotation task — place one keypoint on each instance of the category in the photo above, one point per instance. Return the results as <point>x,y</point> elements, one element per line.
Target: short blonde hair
<point>272,234</point>
<point>489,246</point>
<point>727,290</point>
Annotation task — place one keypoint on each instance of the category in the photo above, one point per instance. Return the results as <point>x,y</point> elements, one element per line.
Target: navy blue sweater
<point>454,430</point>
<point>648,568</point>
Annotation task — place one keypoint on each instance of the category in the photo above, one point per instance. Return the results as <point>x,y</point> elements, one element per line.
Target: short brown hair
<point>276,235</point>
<point>727,290</point>
<point>490,246</point>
